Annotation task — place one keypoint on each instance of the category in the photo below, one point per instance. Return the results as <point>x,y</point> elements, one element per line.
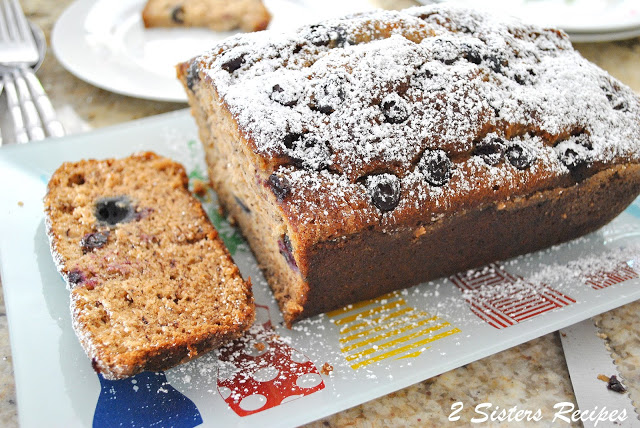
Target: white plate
<point>573,16</point>
<point>441,329</point>
<point>104,42</point>
<point>604,37</point>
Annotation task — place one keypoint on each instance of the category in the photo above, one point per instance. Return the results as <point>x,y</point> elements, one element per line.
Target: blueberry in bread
<point>152,285</point>
<point>381,150</point>
<point>219,15</point>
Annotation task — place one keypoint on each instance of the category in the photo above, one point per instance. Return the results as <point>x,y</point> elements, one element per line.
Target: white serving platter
<point>374,347</point>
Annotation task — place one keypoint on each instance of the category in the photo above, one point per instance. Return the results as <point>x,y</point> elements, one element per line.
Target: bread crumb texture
<point>151,283</point>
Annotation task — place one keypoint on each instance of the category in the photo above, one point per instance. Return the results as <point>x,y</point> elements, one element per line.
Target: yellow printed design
<point>386,327</point>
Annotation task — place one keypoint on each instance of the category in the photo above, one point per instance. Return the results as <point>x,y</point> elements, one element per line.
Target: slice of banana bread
<point>370,153</point>
<point>152,285</point>
<point>219,15</point>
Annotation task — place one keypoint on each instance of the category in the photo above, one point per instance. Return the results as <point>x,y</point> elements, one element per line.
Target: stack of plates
<point>583,20</point>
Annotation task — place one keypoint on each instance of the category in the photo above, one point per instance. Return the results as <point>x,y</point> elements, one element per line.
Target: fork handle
<point>43,105</point>
<point>13,105</point>
<point>30,116</point>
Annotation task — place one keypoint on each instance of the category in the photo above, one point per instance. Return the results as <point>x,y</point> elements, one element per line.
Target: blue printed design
<point>145,400</point>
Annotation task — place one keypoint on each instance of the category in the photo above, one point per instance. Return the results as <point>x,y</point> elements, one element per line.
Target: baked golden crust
<point>390,123</point>
<point>151,283</point>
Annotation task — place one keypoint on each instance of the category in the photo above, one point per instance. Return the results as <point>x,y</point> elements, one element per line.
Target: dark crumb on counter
<point>326,369</point>
<point>615,385</point>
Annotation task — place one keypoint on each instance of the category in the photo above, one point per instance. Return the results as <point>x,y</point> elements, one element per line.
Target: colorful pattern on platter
<point>603,279</point>
<point>386,327</point>
<point>260,371</point>
<point>145,400</point>
<point>502,299</point>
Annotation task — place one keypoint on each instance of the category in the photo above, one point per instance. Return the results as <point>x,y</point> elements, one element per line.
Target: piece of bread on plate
<point>218,15</point>
<point>152,284</point>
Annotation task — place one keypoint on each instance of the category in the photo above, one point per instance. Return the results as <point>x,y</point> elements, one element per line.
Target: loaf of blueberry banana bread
<point>219,15</point>
<point>378,151</point>
<point>152,285</point>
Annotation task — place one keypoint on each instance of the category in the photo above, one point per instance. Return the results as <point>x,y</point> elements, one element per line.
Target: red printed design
<point>603,279</point>
<point>502,299</point>
<point>260,371</point>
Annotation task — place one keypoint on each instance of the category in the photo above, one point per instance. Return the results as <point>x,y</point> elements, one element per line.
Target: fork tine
<point>9,21</point>
<point>19,45</point>
<point>4,31</point>
<point>22,25</point>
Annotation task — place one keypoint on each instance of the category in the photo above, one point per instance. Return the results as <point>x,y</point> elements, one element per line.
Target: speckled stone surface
<point>530,376</point>
<point>621,330</point>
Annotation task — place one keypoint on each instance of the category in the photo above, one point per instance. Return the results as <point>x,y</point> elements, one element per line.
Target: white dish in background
<point>373,350</point>
<point>604,37</point>
<point>104,42</point>
<point>573,16</point>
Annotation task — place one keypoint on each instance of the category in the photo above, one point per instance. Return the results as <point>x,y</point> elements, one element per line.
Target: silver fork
<point>17,42</point>
<point>31,111</point>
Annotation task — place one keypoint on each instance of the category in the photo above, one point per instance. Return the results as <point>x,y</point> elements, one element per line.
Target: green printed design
<point>230,236</point>
<point>198,174</point>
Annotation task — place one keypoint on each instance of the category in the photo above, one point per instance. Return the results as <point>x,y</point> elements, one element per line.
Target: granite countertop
<point>530,376</point>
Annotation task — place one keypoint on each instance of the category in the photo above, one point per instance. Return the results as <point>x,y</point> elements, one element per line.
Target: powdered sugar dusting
<point>334,103</point>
